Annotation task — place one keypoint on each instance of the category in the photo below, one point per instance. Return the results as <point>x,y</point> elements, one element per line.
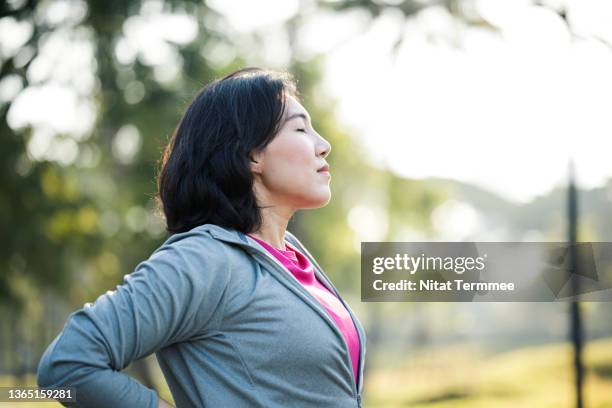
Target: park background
<point>450,120</point>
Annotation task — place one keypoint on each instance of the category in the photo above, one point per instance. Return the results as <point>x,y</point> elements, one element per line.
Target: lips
<point>324,168</point>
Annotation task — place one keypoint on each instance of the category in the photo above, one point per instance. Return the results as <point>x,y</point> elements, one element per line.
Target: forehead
<point>295,109</point>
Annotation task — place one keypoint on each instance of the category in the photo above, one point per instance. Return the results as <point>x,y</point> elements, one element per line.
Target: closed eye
<point>301,130</point>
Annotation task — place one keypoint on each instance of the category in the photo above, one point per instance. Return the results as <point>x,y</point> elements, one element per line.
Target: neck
<point>274,219</point>
<point>273,226</point>
<point>275,215</point>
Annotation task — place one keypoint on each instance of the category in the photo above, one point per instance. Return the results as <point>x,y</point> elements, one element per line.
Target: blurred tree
<point>77,224</point>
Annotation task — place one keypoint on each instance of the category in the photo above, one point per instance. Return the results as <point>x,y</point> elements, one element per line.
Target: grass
<point>463,376</point>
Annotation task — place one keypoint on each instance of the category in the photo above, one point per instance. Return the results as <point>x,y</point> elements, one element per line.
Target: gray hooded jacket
<point>229,324</point>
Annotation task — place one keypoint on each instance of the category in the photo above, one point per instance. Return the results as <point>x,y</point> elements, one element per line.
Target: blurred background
<point>450,120</point>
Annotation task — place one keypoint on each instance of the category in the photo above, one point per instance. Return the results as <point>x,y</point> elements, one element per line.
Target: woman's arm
<point>167,299</point>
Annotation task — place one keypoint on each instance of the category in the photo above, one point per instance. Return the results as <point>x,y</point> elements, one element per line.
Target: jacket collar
<point>224,234</point>
<point>236,237</point>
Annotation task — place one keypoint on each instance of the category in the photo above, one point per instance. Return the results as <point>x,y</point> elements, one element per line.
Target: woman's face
<point>292,169</point>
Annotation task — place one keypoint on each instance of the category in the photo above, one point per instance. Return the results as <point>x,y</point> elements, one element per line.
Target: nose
<point>323,147</point>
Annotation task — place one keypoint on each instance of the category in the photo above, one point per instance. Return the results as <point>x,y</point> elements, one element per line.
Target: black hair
<point>205,174</point>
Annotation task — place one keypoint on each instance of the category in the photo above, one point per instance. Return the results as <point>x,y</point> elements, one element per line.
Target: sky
<point>505,109</point>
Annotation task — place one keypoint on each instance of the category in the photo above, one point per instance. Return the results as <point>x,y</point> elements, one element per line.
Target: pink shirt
<point>301,268</point>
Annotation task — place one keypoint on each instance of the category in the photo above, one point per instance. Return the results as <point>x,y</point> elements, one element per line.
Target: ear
<point>256,162</point>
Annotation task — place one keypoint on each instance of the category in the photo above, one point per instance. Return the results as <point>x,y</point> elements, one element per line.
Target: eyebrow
<point>298,115</point>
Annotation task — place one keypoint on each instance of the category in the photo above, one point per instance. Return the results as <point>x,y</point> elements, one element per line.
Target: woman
<point>237,311</point>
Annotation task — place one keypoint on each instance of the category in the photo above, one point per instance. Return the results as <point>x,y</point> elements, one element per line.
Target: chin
<point>316,200</point>
<point>321,201</point>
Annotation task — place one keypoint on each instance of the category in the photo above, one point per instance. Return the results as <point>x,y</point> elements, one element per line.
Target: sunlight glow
<point>504,111</point>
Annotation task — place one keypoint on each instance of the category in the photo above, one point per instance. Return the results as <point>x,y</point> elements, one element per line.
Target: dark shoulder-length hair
<point>205,176</point>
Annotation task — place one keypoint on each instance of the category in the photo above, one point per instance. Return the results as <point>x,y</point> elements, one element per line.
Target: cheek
<point>290,167</point>
<point>294,153</point>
